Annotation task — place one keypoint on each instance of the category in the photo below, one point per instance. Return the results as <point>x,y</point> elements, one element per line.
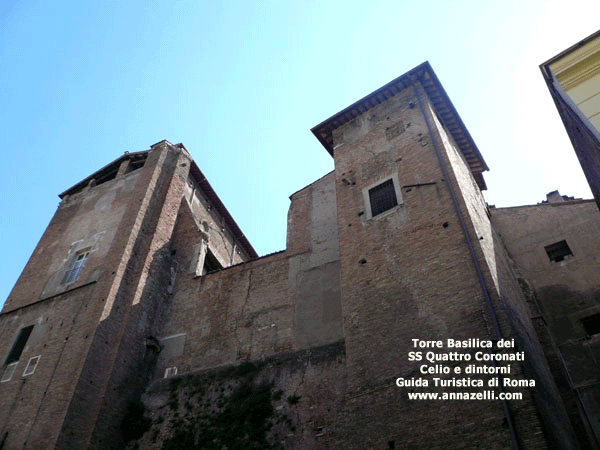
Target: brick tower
<point>78,327</point>
<point>143,289</point>
<point>419,260</point>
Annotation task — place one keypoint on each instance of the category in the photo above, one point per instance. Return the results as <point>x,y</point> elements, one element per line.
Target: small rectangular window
<point>558,251</point>
<point>72,275</point>
<point>31,365</point>
<point>591,324</point>
<point>9,371</point>
<point>19,345</point>
<point>382,197</point>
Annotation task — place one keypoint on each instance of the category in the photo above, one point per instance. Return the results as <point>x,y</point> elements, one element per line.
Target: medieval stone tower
<point>145,318</point>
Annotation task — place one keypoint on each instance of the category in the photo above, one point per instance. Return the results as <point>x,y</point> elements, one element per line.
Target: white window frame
<point>170,372</point>
<point>9,371</point>
<point>72,275</point>
<point>367,199</point>
<point>31,365</point>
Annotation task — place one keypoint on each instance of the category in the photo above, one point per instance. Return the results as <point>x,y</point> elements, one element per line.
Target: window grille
<point>382,197</point>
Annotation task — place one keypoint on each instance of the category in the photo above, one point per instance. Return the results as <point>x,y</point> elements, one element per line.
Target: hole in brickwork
<point>445,224</point>
<point>362,261</point>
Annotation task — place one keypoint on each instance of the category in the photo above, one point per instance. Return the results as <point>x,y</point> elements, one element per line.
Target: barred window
<point>382,197</point>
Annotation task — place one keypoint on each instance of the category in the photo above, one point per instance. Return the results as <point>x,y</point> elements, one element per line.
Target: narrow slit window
<point>19,345</point>
<point>558,251</point>
<point>72,275</point>
<point>382,197</point>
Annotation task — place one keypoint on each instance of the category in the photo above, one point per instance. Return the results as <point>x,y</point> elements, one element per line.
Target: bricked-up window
<point>73,274</point>
<point>558,251</point>
<point>591,324</point>
<point>19,345</point>
<point>382,197</point>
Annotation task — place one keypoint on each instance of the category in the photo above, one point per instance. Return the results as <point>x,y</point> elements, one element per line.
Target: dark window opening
<point>558,251</point>
<point>591,324</point>
<point>211,264</point>
<point>137,163</point>
<point>382,197</point>
<point>391,445</point>
<point>109,174</point>
<point>19,345</point>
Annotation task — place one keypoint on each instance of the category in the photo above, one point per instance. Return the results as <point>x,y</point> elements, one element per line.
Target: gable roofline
<point>196,173</point>
<point>424,75</point>
<point>216,203</point>
<point>545,66</point>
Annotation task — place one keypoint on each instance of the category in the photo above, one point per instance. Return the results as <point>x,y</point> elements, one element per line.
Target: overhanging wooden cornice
<point>425,76</point>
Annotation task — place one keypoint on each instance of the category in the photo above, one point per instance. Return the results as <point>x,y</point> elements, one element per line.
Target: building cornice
<point>425,76</point>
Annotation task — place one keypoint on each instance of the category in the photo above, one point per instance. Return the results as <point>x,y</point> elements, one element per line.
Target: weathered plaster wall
<point>215,231</point>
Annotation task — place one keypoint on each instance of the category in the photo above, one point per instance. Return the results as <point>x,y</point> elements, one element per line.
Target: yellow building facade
<point>573,78</point>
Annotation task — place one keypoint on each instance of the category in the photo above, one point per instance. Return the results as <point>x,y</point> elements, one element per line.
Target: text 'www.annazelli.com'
<point>485,395</point>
